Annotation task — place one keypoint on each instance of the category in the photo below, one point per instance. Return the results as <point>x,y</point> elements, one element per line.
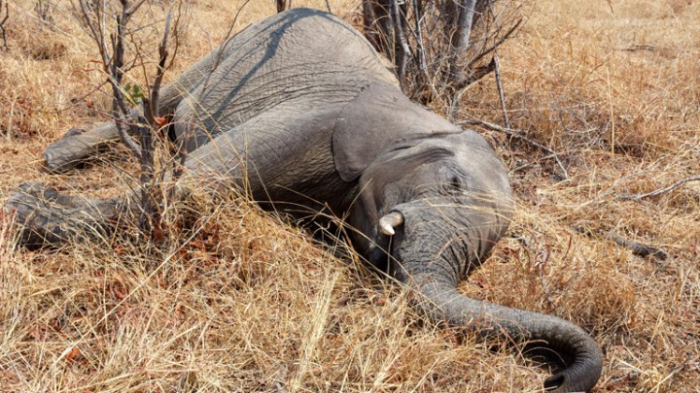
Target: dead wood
<point>637,248</point>
<point>658,192</point>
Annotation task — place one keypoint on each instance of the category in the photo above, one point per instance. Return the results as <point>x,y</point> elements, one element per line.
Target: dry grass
<point>243,302</point>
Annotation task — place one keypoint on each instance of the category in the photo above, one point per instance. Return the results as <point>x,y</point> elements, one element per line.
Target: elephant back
<point>303,56</point>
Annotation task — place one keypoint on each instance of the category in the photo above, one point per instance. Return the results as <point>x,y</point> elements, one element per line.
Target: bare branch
<point>120,110</point>
<point>496,44</point>
<point>440,51</point>
<point>222,49</point>
<point>519,135</point>
<point>369,24</point>
<point>637,248</point>
<point>155,90</point>
<point>501,94</point>
<point>421,58</point>
<point>658,192</point>
<point>401,50</point>
<point>131,10</point>
<point>460,40</point>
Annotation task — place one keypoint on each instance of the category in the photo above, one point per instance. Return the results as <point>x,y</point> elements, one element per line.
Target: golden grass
<point>243,302</point>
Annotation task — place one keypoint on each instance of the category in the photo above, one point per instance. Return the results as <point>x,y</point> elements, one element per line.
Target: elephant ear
<point>378,120</point>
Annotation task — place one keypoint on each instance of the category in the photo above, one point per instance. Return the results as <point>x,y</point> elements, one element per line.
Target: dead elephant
<point>322,122</point>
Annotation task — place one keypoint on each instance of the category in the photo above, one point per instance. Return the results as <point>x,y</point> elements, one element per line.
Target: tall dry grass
<point>244,302</point>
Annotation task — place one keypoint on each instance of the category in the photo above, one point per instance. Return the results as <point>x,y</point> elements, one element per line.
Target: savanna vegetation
<point>603,103</point>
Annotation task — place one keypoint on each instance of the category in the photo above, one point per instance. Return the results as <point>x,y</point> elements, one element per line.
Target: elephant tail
<point>560,341</point>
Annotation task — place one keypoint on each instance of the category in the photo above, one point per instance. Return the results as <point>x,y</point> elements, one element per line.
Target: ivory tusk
<point>389,222</point>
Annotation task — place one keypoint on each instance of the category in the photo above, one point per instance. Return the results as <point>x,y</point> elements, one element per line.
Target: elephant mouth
<point>388,236</point>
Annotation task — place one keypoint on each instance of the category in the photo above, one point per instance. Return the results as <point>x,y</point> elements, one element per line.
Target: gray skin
<point>300,110</point>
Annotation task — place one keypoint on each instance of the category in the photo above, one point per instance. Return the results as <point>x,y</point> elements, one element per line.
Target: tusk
<point>389,222</point>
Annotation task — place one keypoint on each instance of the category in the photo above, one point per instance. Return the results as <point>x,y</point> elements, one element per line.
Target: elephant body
<point>301,111</point>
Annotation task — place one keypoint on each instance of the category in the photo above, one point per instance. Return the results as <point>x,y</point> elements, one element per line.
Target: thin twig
<point>420,56</point>
<point>499,86</point>
<point>495,44</point>
<point>658,192</point>
<point>638,249</point>
<point>163,54</point>
<point>401,45</point>
<point>176,34</point>
<point>497,71</point>
<point>119,109</point>
<point>520,135</point>
<point>130,12</point>
<point>222,49</point>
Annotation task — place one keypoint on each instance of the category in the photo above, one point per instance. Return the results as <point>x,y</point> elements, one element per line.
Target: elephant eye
<point>455,183</point>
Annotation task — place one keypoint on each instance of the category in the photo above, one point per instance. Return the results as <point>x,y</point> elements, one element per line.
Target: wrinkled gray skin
<point>305,102</point>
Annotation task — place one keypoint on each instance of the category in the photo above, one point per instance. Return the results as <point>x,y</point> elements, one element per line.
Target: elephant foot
<point>78,146</point>
<point>46,217</point>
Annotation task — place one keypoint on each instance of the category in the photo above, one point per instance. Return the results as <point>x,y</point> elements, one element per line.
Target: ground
<point>244,302</point>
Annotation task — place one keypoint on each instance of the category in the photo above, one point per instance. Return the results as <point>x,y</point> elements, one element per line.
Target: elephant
<point>300,111</point>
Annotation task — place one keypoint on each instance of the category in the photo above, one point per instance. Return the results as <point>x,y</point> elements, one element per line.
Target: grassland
<point>249,303</point>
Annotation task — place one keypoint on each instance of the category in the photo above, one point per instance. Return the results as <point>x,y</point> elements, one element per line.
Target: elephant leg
<point>278,155</point>
<point>46,217</point>
<point>74,148</point>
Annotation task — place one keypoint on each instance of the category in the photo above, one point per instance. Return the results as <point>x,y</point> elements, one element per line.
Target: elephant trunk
<point>568,344</point>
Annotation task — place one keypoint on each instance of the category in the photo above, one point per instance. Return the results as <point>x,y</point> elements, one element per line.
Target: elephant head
<point>429,210</point>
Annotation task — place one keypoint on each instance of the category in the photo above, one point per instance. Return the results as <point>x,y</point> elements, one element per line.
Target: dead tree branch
<point>460,39</point>
<point>637,248</point>
<point>658,192</point>
<point>521,136</point>
<point>120,110</point>
<point>501,94</point>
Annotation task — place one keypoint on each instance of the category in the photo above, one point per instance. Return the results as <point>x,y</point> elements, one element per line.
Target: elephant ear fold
<point>374,122</point>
